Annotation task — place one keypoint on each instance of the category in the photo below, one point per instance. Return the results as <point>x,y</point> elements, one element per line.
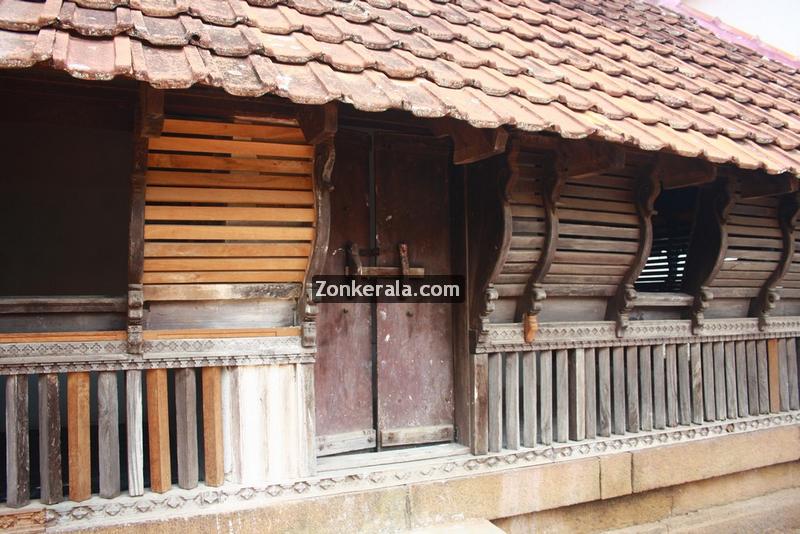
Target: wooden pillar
<point>495,402</point>
<point>78,437</point>
<point>212,426</point>
<point>529,404</point>
<point>577,394</point>
<point>108,433</point>
<point>774,376</point>
<point>511,400</point>
<point>135,440</point>
<point>186,427</point>
<point>158,430</point>
<point>545,373</point>
<point>52,491</point>
<point>604,392</point>
<point>18,480</point>
<point>590,376</point>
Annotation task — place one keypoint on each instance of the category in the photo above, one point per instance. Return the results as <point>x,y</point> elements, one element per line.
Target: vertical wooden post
<point>632,388</point>
<point>763,376</point>
<point>684,385</point>
<point>590,366</point>
<point>646,387</point>
<point>577,394</point>
<point>546,397</point>
<point>186,427</point>
<point>212,426</point>
<point>794,387</point>
<point>52,490</point>
<point>720,399</point>
<point>698,386</point>
<point>529,390</point>
<point>158,430</point>
<point>78,437</point>
<point>671,371</point>
<point>752,377</point>
<point>511,400</point>
<point>774,379</point>
<point>133,425</point>
<point>741,379</point>
<point>495,402</point>
<point>18,479</point>
<point>618,411</point>
<point>709,399</point>
<point>562,397</point>
<point>108,433</point>
<point>783,375</point>
<point>307,450</point>
<point>480,410</point>
<point>604,392</point>
<point>730,380</point>
<point>659,388</point>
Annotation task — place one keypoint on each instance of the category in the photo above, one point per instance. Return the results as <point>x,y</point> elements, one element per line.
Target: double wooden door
<point>384,372</point>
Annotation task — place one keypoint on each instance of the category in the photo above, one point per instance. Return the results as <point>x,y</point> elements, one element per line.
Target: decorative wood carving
<point>149,123</point>
<point>709,244</point>
<point>768,297</point>
<point>531,303</point>
<point>579,159</point>
<point>620,306</point>
<point>319,126</point>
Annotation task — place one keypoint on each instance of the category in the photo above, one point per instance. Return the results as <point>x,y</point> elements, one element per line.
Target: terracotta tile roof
<point>622,70</point>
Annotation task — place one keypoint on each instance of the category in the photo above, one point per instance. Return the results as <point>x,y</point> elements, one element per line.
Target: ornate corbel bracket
<point>489,298</point>
<point>769,295</point>
<point>135,318</point>
<point>319,125</point>
<point>716,206</point>
<point>621,305</point>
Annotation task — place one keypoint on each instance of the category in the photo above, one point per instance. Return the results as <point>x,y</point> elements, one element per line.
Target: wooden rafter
<point>471,144</point>
<point>675,172</point>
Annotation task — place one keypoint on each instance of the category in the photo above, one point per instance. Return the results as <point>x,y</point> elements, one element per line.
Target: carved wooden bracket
<point>619,308</point>
<point>149,121</point>
<point>470,144</point>
<point>319,125</point>
<point>579,159</point>
<point>709,245</point>
<point>768,297</point>
<point>675,172</point>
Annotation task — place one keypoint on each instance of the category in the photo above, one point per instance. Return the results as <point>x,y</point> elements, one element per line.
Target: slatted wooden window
<point>228,202</point>
<point>598,235</point>
<point>528,226</point>
<point>754,248</point>
<point>672,229</point>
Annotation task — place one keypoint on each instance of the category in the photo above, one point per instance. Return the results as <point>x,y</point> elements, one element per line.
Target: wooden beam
<point>471,144</point>
<point>318,123</point>
<point>78,437</point>
<point>158,429</point>
<point>579,159</point>
<point>759,184</point>
<point>675,172</point>
<point>18,480</point>
<point>151,110</point>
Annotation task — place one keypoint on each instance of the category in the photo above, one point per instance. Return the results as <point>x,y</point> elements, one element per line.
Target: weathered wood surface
<point>741,379</point>
<point>495,402</point>
<point>783,375</point>
<point>731,392</point>
<point>511,401</point>
<point>659,392</point>
<point>709,390</point>
<point>52,490</point>
<point>698,385</point>
<point>632,389</point>
<point>18,485</point>
<point>213,454</point>
<point>108,434</point>
<point>619,398</point>
<point>774,377</point>
<point>604,394</point>
<point>529,404</point>
<point>646,387</point>
<point>304,391</point>
<point>480,415</point>
<point>78,437</point>
<point>671,384</point>
<point>792,367</point>
<point>763,377</point>
<point>158,430</point>
<point>577,394</point>
<point>186,427</point>
<point>752,377</point>
<point>720,398</point>
<point>561,396</point>
<point>684,385</point>
<point>590,374</point>
<point>546,397</point>
<point>133,427</point>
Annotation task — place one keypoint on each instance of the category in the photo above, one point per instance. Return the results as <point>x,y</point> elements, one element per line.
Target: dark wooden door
<point>384,373</point>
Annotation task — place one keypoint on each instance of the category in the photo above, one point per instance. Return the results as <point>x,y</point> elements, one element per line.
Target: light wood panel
<point>78,437</point>
<point>158,430</point>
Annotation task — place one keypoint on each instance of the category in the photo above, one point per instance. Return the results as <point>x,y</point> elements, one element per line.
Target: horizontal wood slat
<point>42,337</point>
<point>246,189</point>
<point>203,333</point>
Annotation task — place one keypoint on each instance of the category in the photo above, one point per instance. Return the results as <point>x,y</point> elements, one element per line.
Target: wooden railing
<point>598,389</point>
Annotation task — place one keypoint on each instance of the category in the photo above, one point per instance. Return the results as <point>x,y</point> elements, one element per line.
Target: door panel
<point>344,393</point>
<point>414,341</point>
